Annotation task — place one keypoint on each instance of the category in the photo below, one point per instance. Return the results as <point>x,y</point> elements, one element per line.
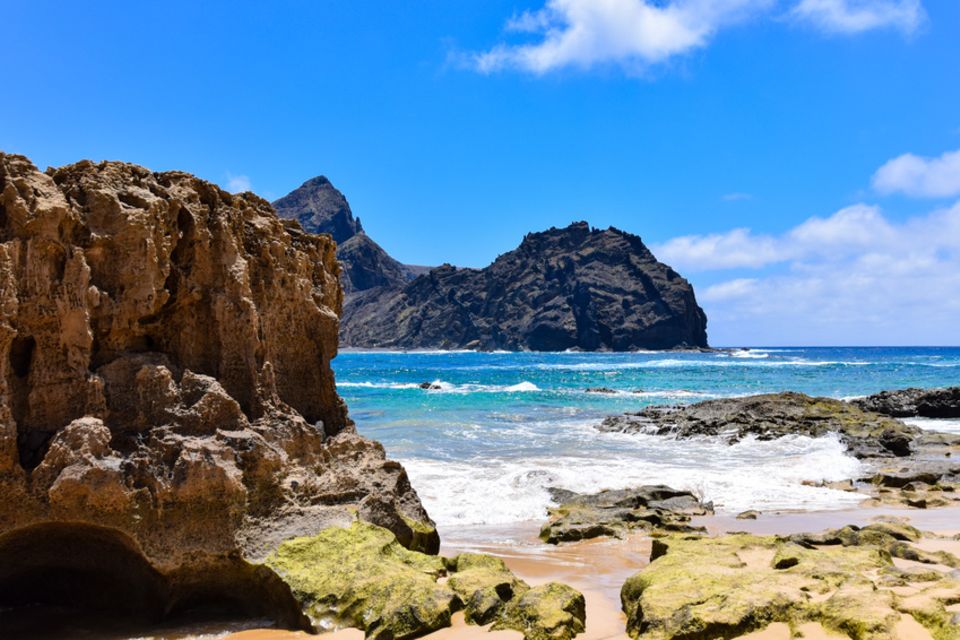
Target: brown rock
<point>166,398</point>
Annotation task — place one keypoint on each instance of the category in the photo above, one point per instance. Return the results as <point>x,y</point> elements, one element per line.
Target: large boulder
<point>168,414</point>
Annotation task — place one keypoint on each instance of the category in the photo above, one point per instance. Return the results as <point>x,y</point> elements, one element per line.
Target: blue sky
<point>715,129</point>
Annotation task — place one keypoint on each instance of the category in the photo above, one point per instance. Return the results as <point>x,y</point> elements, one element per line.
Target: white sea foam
<point>748,475</point>
<point>670,363</point>
<point>946,425</point>
<point>441,386</point>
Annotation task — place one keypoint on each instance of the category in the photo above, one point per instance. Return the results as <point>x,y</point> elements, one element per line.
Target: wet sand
<point>599,567</point>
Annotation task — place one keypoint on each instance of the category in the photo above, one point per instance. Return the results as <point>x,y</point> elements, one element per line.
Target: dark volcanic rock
<point>908,403</point>
<point>772,416</point>
<point>615,512</point>
<point>321,208</point>
<point>571,288</point>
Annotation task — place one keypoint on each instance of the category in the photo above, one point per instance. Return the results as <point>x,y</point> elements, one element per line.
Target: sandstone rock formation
<point>571,288</point>
<point>909,403</point>
<point>320,207</point>
<point>617,512</point>
<point>842,583</point>
<point>168,414</point>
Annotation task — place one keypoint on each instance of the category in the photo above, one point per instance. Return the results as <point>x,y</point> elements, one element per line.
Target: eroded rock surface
<point>617,512</point>
<point>570,288</point>
<point>165,386</point>
<point>908,403</point>
<point>700,588</point>
<point>360,576</point>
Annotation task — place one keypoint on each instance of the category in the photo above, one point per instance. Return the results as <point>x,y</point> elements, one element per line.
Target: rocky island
<point>570,288</point>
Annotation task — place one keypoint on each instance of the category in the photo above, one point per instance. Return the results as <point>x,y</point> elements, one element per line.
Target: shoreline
<point>599,567</point>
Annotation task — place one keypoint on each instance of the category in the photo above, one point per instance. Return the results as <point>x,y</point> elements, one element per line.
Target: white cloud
<point>855,277</point>
<point>919,176</point>
<point>857,16</point>
<point>736,196</point>
<point>238,184</point>
<point>638,33</point>
<point>584,33</point>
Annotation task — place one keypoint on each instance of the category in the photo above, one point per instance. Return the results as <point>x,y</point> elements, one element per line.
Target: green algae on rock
<point>700,588</point>
<point>360,576</point>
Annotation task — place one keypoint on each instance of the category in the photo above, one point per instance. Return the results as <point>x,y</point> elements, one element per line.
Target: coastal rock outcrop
<point>320,207</point>
<point>617,512</point>
<point>570,288</point>
<point>770,416</point>
<point>168,414</point>
<point>360,576</point>
<point>910,403</point>
<point>842,583</point>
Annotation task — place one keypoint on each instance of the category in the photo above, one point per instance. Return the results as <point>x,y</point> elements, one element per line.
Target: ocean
<point>483,449</point>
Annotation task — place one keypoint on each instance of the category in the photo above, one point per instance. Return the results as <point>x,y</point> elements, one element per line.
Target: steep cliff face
<point>568,288</point>
<point>320,207</point>
<point>165,388</point>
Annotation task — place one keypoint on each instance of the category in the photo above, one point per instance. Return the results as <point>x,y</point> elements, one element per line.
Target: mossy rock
<point>552,611</point>
<point>709,588</point>
<point>484,585</point>
<point>361,576</point>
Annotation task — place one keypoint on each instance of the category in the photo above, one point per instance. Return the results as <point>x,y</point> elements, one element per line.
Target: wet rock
<point>430,386</point>
<point>359,576</point>
<point>908,403</point>
<point>729,586</point>
<point>748,515</point>
<point>616,512</point>
<point>570,288</point>
<point>771,416</point>
<point>165,385</point>
<point>606,390</point>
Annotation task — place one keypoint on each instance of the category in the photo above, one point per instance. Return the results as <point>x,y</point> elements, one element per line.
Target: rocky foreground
<point>878,582</point>
<point>170,433</point>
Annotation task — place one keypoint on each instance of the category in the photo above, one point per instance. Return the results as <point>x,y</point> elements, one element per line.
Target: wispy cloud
<point>636,34</point>
<point>857,16</point>
<point>918,176</point>
<point>238,184</point>
<point>736,196</point>
<point>851,277</point>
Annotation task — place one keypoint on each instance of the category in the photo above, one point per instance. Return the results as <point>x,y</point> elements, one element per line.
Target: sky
<point>797,160</point>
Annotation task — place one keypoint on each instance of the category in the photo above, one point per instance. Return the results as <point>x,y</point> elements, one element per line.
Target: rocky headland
<point>170,433</point>
<point>570,288</point>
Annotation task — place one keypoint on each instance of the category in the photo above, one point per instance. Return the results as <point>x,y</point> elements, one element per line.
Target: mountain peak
<point>320,207</point>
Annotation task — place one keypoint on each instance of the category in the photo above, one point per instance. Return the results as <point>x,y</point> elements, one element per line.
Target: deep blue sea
<point>483,449</point>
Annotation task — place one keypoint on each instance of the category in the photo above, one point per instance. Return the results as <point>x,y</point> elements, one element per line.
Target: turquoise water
<point>505,426</point>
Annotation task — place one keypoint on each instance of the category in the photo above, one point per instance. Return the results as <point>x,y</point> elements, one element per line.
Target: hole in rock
<point>69,580</point>
<point>21,355</point>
